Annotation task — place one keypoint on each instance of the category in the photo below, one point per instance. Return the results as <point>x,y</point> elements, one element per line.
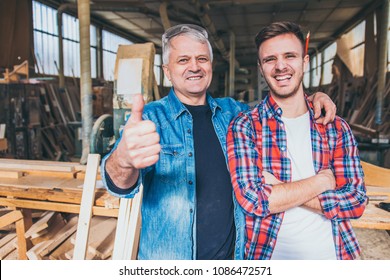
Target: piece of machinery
<point>133,74</point>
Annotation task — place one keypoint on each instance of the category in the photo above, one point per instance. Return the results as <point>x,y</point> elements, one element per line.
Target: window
<point>46,42</point>
<point>110,48</point>
<point>306,76</point>
<point>350,49</point>
<point>158,71</point>
<point>45,39</point>
<point>329,54</point>
<point>71,46</point>
<point>316,70</point>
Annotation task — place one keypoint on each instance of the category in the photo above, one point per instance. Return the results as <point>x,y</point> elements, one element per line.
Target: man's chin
<point>284,95</point>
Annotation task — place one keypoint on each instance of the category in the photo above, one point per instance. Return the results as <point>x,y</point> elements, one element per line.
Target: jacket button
<point>190,154</point>
<point>190,182</point>
<point>189,130</point>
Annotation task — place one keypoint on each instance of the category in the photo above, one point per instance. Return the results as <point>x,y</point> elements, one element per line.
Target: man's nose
<point>280,64</point>
<point>194,65</point>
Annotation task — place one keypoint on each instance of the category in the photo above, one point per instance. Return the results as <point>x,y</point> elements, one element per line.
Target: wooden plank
<point>373,190</point>
<point>7,238</point>
<point>56,174</point>
<point>10,174</point>
<point>373,218</point>
<point>127,237</point>
<point>68,192</point>
<point>25,165</point>
<point>7,248</point>
<point>55,206</point>
<point>2,130</point>
<point>122,228</point>
<point>55,226</point>
<point>3,144</point>
<point>10,218</point>
<point>376,175</point>
<point>33,253</point>
<point>22,243</point>
<point>41,224</point>
<point>60,251</point>
<point>87,202</point>
<point>13,255</point>
<point>101,230</point>
<point>60,236</point>
<point>105,249</point>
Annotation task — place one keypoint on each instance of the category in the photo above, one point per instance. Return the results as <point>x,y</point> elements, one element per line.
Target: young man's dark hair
<point>279,28</point>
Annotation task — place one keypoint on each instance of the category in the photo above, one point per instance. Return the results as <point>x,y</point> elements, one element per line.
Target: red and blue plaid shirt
<point>256,142</point>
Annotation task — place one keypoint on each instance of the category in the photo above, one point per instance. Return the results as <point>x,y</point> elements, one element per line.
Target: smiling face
<point>282,64</point>
<point>189,69</point>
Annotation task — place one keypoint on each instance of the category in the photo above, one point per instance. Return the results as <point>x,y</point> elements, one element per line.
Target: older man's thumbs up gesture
<point>138,148</point>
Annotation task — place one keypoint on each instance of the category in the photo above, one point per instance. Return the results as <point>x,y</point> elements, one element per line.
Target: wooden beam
<point>87,202</point>
<point>41,224</point>
<point>10,218</point>
<point>17,218</point>
<point>58,194</point>
<point>55,206</point>
<point>128,229</point>
<point>376,175</point>
<point>10,174</point>
<point>22,165</point>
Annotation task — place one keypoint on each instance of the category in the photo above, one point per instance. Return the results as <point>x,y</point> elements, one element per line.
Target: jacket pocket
<point>172,163</point>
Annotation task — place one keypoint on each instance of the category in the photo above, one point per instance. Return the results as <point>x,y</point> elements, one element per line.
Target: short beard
<point>284,96</point>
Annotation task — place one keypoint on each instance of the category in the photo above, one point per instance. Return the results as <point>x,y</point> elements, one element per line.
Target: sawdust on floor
<point>375,244</point>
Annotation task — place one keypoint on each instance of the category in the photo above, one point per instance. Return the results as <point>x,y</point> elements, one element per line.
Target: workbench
<point>374,217</point>
<point>377,180</point>
<point>47,185</point>
<point>27,185</point>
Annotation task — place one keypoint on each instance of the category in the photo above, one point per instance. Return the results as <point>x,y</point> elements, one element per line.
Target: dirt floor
<point>375,244</point>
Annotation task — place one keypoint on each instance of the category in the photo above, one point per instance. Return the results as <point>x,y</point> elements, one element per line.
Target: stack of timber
<point>58,109</point>
<point>48,194</point>
<point>356,103</point>
<point>44,121</point>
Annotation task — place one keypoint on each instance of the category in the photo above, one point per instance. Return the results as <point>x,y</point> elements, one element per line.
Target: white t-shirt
<point>303,233</point>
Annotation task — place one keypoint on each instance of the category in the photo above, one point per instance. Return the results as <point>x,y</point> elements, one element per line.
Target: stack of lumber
<point>52,237</point>
<point>356,103</point>
<point>49,193</point>
<point>377,180</point>
<point>58,109</point>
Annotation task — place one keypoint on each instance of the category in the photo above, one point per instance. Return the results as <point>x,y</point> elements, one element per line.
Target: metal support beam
<point>232,64</point>
<point>84,16</point>
<point>382,61</point>
<point>164,15</point>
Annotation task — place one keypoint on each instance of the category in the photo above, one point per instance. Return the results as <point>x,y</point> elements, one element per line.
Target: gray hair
<point>191,30</point>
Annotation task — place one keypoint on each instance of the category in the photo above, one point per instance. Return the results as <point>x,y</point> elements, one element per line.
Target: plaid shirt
<point>256,142</point>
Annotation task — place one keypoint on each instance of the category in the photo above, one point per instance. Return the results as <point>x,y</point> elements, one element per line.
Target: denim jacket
<point>169,199</point>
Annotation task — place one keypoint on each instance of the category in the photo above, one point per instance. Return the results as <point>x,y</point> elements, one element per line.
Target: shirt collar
<point>178,108</point>
<point>272,109</point>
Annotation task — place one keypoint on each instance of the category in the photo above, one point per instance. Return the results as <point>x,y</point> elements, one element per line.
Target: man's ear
<point>260,68</point>
<point>306,60</point>
<point>166,72</point>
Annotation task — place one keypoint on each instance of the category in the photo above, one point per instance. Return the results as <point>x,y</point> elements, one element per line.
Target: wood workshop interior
<point>61,104</point>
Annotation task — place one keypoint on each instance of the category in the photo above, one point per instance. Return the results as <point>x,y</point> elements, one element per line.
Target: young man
<point>176,147</point>
<point>298,182</point>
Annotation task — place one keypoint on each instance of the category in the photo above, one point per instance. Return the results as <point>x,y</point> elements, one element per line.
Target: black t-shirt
<point>215,231</point>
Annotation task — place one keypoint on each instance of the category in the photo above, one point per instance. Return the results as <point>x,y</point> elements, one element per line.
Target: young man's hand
<point>321,101</point>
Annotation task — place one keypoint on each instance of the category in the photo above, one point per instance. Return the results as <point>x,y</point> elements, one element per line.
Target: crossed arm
<point>337,193</point>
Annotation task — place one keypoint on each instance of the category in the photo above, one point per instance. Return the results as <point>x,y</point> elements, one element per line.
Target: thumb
<point>137,108</point>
